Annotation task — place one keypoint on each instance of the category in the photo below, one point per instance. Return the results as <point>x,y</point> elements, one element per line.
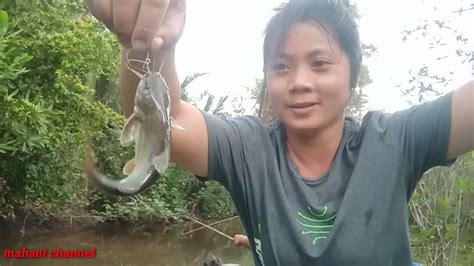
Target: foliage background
<point>58,71</point>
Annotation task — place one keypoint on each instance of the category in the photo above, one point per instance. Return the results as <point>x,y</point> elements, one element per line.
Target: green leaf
<point>3,22</point>
<point>4,147</point>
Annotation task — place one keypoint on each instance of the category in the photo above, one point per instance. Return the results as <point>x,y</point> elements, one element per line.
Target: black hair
<point>336,16</point>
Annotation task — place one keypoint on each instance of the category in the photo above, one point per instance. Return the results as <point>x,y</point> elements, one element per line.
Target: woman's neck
<point>313,153</point>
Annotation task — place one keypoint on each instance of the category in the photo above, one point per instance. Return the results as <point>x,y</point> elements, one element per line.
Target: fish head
<point>152,95</point>
<point>144,104</point>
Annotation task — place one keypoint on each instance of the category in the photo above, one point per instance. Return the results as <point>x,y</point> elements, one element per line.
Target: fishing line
<point>213,229</point>
<point>141,72</point>
<point>136,70</point>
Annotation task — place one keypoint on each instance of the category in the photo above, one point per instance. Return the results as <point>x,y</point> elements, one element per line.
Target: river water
<point>114,245</point>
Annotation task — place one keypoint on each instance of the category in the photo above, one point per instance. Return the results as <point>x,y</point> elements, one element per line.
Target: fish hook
<point>145,67</point>
<point>146,63</point>
<point>137,71</point>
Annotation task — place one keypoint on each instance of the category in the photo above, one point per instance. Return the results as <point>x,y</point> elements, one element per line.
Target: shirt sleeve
<point>421,133</point>
<point>229,143</point>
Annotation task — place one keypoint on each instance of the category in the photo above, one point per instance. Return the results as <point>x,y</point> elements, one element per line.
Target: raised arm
<point>461,138</point>
<point>155,26</point>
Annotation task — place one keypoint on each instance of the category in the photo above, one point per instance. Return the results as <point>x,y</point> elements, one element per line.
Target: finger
<point>151,15</point>
<point>178,5</point>
<point>125,16</point>
<point>173,25</point>
<point>102,10</point>
<point>238,239</point>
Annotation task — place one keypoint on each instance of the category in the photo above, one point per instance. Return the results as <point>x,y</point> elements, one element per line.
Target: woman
<point>312,187</point>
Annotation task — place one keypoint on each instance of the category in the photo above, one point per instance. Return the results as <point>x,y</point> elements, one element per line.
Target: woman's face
<point>308,79</point>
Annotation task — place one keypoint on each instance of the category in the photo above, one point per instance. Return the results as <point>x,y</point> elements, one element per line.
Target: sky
<point>224,38</point>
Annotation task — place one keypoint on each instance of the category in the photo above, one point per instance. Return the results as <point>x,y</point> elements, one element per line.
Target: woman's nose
<point>301,80</point>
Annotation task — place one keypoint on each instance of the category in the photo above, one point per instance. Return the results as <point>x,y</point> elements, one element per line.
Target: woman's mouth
<point>302,108</point>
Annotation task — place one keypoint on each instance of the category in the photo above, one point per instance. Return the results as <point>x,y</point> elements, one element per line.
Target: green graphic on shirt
<point>258,245</point>
<point>317,226</point>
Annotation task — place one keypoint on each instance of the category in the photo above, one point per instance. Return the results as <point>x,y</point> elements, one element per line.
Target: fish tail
<point>138,181</point>
<point>111,186</point>
<point>105,183</point>
<point>118,187</point>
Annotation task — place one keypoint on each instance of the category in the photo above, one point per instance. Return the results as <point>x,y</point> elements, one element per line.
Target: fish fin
<point>160,96</point>
<point>175,124</point>
<point>162,160</point>
<point>164,110</point>
<point>129,166</point>
<point>130,130</point>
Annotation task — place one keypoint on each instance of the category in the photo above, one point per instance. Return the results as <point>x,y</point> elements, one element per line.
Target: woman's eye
<point>279,67</point>
<point>320,63</point>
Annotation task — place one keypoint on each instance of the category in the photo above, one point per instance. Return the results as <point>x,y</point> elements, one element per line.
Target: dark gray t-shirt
<point>356,213</point>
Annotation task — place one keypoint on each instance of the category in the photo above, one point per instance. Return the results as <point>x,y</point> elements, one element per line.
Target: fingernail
<point>156,44</point>
<point>139,44</point>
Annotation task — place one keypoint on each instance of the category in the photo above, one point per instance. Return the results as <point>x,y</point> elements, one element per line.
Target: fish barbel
<point>150,128</point>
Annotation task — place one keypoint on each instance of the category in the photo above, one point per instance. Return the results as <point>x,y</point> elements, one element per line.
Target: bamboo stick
<point>199,228</point>
<point>213,229</point>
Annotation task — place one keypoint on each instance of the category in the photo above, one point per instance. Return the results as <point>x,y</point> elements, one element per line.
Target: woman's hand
<point>144,25</point>
<point>241,241</point>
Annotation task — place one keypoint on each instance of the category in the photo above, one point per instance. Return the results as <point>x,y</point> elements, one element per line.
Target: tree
<point>356,107</point>
<point>441,216</point>
<point>58,70</point>
<point>50,51</point>
<point>209,106</point>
